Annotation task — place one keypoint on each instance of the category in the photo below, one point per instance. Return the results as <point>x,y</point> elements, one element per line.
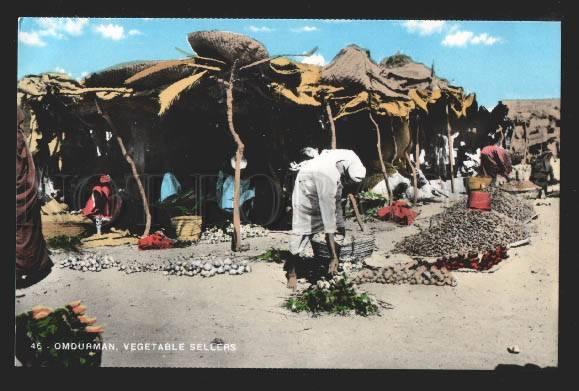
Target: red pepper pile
<point>155,241</point>
<point>399,211</point>
<point>489,259</point>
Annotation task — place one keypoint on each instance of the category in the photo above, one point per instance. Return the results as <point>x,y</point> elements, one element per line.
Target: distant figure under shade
<point>542,172</point>
<point>495,161</point>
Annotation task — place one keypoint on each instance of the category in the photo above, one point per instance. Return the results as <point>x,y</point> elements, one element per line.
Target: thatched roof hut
<point>172,114</point>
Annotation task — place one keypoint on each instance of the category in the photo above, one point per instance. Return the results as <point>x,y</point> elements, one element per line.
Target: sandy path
<point>465,327</point>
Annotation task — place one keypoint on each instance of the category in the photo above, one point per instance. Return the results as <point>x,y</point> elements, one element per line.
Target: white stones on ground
<point>207,267</point>
<point>89,262</point>
<point>180,266</point>
<point>218,235</point>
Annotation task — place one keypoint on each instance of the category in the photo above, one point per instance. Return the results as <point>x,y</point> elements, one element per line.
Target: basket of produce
<point>187,227</point>
<point>520,187</point>
<point>64,224</point>
<point>350,249</point>
<point>477,182</point>
<point>64,338</point>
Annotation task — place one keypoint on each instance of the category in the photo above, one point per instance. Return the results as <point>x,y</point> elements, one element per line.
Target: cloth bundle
<point>155,241</point>
<point>399,211</point>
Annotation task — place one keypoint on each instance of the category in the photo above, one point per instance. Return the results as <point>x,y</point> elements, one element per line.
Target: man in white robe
<point>316,202</point>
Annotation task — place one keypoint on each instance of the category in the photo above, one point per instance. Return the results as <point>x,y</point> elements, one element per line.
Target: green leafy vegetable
<point>338,296</point>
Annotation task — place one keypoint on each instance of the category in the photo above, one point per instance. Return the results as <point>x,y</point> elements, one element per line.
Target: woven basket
<point>355,250</point>
<point>187,227</point>
<point>63,224</point>
<point>477,182</point>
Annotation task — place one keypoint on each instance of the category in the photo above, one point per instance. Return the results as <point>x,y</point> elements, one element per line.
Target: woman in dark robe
<point>32,260</point>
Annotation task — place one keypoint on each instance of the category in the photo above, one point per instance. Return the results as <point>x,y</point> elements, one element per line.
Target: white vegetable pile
<point>181,266</point>
<point>218,235</point>
<point>89,262</point>
<point>206,268</point>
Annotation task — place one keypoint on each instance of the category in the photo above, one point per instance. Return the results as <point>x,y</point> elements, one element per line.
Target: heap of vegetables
<point>472,260</point>
<point>274,255</point>
<point>337,296</point>
<point>65,337</point>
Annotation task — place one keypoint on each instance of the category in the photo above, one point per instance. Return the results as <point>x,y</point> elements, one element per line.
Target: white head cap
<point>356,171</point>
<point>242,165</point>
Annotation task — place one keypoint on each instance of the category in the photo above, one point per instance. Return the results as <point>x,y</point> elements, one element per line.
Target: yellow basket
<point>63,224</point>
<point>187,227</point>
<point>477,182</point>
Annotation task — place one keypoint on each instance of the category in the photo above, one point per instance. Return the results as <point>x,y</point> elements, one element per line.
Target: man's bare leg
<point>333,266</point>
<point>292,278</point>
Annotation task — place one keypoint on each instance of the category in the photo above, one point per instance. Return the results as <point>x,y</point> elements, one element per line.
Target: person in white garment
<point>316,202</point>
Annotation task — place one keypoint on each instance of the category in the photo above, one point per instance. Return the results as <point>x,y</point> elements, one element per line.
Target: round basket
<point>477,182</point>
<point>187,227</point>
<point>351,251</point>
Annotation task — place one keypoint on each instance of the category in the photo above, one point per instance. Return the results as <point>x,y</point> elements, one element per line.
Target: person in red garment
<point>32,258</point>
<point>98,206</point>
<point>495,161</point>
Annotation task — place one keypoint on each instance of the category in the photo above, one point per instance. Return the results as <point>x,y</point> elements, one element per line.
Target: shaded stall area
<point>183,117</point>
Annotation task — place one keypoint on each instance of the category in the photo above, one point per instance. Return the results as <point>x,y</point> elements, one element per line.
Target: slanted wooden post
<point>450,149</point>
<point>526,142</point>
<point>416,161</point>
<point>382,165</point>
<point>236,240</point>
<point>333,146</point>
<point>133,166</point>
<point>414,180</point>
<point>332,125</point>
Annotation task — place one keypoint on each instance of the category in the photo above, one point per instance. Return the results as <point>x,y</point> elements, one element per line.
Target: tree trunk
<point>379,147</point>
<point>416,162</point>
<point>350,196</point>
<point>356,211</point>
<point>236,240</point>
<point>526,143</point>
<point>450,151</point>
<point>133,166</point>
<point>332,125</point>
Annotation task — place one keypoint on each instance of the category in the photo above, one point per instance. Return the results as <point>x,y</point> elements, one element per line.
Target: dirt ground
<point>468,326</point>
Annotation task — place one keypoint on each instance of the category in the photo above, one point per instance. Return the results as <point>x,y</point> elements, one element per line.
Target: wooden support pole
<point>414,179</point>
<point>350,196</point>
<point>382,165</point>
<point>450,149</point>
<point>133,166</point>
<point>526,143</point>
<point>236,240</point>
<point>356,211</point>
<point>417,160</point>
<point>332,125</point>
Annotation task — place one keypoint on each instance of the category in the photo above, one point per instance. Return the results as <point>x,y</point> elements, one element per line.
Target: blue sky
<point>497,60</point>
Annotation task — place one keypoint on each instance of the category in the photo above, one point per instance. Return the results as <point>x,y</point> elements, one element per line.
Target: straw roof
<point>410,74</point>
<point>116,75</point>
<point>353,68</point>
<point>227,47</point>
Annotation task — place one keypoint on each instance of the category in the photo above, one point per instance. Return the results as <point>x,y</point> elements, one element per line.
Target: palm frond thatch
<point>156,68</point>
<point>170,94</point>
